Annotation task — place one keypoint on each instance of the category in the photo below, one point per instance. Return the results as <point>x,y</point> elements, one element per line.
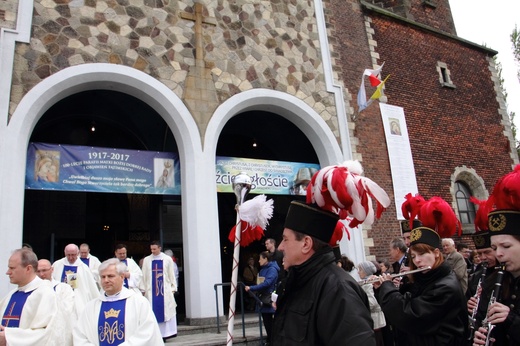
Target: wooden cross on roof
<point>199,19</point>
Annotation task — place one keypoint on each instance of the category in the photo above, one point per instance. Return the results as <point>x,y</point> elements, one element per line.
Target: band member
<point>431,310</point>
<point>502,319</point>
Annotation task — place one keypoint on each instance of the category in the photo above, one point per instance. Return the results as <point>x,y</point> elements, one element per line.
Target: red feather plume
<point>249,233</point>
<point>506,193</point>
<point>438,215</point>
<point>481,215</point>
<point>411,206</point>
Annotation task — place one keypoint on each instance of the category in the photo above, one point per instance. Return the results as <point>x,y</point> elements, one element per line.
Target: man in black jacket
<point>320,303</point>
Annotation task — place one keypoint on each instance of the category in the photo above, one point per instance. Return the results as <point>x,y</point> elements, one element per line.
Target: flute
<point>376,279</point>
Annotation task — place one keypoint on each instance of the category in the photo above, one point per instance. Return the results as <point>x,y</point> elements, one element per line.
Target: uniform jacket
<point>321,304</point>
<point>432,311</point>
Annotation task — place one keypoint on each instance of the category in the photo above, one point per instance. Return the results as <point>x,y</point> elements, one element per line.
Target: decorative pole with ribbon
<point>241,187</point>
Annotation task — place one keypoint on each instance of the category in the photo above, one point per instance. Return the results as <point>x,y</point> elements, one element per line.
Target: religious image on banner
<point>47,165</point>
<point>164,172</point>
<point>395,126</point>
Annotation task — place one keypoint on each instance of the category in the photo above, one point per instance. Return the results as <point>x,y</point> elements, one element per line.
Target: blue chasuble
<point>158,290</point>
<point>111,323</point>
<point>85,260</point>
<point>13,310</point>
<point>125,283</point>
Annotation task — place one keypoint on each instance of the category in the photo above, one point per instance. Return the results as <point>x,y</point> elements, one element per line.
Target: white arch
<point>285,105</point>
<point>13,152</point>
<point>301,115</point>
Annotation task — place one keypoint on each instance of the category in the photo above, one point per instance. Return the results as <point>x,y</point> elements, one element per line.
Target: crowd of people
<point>428,293</point>
<point>79,300</point>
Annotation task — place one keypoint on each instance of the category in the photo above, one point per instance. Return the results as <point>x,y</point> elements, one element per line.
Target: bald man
<point>71,270</point>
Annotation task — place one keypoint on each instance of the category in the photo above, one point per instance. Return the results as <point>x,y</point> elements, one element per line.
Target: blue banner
<point>267,177</point>
<point>92,169</point>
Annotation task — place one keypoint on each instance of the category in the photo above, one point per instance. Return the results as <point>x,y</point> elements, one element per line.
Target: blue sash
<point>85,260</point>
<point>125,283</point>
<point>68,270</point>
<point>111,323</point>
<point>158,290</point>
<point>13,311</point>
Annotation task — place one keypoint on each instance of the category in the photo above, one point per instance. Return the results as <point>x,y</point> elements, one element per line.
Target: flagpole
<point>241,187</point>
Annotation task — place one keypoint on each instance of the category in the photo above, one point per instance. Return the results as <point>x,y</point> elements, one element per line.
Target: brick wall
<point>448,127</point>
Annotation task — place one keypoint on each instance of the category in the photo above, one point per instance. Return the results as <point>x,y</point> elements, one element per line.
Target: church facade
<point>199,65</point>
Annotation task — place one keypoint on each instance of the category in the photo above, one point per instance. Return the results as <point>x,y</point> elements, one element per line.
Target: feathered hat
<point>335,194</point>
<point>254,217</point>
<point>438,221</point>
<point>506,198</point>
<point>481,237</point>
<point>410,209</point>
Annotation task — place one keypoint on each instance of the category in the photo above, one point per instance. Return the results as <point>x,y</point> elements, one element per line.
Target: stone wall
<point>269,44</point>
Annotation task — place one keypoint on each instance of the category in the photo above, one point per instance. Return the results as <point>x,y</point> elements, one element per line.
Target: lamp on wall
<point>93,126</point>
<point>254,143</point>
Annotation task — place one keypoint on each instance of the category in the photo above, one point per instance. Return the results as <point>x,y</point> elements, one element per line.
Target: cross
<point>157,274</point>
<point>199,19</point>
<point>9,317</point>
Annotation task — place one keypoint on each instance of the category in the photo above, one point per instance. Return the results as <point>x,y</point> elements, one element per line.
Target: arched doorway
<point>258,135</point>
<point>102,119</point>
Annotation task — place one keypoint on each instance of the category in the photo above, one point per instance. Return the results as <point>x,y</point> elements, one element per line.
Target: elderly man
<point>159,286</point>
<point>71,270</point>
<point>119,316</point>
<point>28,311</point>
<point>134,274</point>
<point>456,262</point>
<point>320,303</point>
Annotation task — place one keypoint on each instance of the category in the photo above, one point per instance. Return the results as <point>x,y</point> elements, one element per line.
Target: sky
<point>490,23</point>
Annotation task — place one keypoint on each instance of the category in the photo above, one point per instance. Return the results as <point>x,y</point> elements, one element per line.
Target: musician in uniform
<point>431,310</point>
<point>502,324</point>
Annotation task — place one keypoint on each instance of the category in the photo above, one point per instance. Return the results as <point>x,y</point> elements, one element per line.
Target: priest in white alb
<point>134,274</point>
<point>90,260</point>
<point>28,311</point>
<point>71,270</point>
<point>117,317</point>
<point>159,286</point>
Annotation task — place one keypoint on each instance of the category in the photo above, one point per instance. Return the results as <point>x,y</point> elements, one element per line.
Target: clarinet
<point>473,317</point>
<point>493,299</point>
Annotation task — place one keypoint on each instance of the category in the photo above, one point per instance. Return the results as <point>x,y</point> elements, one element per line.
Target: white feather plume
<point>256,211</point>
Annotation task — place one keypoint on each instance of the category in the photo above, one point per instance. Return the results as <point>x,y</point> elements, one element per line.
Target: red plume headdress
<point>342,190</point>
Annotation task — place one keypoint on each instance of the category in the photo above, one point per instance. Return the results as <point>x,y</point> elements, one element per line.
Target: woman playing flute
<point>431,308</point>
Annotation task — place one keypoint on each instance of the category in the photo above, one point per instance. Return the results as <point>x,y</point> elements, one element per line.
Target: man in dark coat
<point>320,303</point>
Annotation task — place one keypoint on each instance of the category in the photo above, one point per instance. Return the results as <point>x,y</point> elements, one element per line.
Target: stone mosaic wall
<point>254,44</point>
<point>8,13</point>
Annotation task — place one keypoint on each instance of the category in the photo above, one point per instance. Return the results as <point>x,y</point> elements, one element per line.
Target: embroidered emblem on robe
<point>70,275</point>
<point>13,311</point>
<point>158,290</point>
<point>111,323</point>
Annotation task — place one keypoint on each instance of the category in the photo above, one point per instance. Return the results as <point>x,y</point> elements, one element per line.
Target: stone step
<point>208,334</point>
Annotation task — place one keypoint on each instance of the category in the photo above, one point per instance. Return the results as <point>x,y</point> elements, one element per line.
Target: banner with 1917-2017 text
<point>94,169</point>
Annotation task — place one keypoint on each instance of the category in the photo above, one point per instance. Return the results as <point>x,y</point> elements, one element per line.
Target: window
<point>465,207</point>
<point>444,75</point>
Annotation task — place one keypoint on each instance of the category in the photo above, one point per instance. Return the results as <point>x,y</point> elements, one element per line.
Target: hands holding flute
<point>377,281</point>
